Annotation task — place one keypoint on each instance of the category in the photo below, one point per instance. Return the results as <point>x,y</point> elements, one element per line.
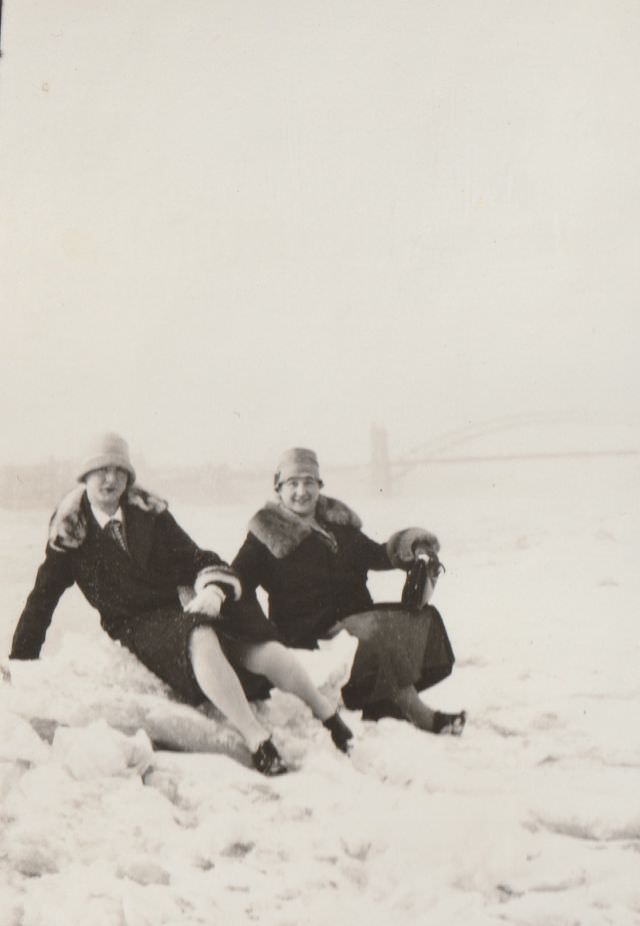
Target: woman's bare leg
<point>282,668</point>
<point>414,709</point>
<point>222,686</point>
<point>420,715</point>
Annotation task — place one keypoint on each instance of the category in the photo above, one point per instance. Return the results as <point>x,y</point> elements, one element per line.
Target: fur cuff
<point>401,546</point>
<point>68,525</point>
<point>221,576</point>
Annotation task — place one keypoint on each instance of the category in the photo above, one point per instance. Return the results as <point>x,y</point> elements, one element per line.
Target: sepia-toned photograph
<point>319,480</point>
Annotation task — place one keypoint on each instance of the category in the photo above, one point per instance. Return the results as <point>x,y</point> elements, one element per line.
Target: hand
<point>425,545</point>
<point>404,546</point>
<point>209,601</point>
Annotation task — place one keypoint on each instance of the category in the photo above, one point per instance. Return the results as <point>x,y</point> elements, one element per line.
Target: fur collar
<point>68,525</point>
<point>281,531</point>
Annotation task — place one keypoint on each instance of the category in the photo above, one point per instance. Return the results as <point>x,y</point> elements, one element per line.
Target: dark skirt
<point>397,648</point>
<point>160,639</point>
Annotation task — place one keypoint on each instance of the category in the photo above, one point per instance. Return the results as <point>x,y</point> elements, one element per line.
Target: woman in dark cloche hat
<point>310,555</point>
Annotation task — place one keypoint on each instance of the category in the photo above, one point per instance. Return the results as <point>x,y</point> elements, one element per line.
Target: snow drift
<point>530,818</point>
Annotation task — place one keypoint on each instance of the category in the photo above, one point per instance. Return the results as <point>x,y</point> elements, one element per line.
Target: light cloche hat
<point>297,462</point>
<point>107,449</point>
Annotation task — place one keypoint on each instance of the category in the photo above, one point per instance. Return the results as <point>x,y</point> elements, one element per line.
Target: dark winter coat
<point>120,585</point>
<point>314,578</point>
<point>318,578</point>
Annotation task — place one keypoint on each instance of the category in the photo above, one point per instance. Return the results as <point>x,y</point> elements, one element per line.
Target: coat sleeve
<point>194,566</point>
<point>251,564</point>
<point>187,557</point>
<point>372,555</point>
<point>53,577</point>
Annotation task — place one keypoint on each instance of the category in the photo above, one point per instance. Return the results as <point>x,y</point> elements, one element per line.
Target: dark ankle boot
<point>449,723</point>
<point>340,732</point>
<point>268,761</point>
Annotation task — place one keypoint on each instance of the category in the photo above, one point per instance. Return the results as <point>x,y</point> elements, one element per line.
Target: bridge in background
<point>449,449</point>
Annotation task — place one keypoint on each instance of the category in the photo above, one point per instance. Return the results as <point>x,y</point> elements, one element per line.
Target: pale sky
<point>227,228</point>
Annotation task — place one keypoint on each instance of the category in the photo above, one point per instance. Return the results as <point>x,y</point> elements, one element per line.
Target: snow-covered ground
<point>532,817</point>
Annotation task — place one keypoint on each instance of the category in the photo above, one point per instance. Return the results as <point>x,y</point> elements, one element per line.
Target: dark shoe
<point>268,761</point>
<point>340,732</point>
<point>453,724</point>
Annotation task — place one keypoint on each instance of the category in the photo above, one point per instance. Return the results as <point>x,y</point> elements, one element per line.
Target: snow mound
<point>19,741</point>
<point>97,749</point>
<point>60,691</point>
<point>530,818</point>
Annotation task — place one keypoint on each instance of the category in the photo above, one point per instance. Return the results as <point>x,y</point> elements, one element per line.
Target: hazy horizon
<point>228,229</point>
<point>486,440</point>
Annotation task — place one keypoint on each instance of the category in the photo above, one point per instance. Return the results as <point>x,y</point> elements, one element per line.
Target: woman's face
<point>106,486</point>
<point>300,494</point>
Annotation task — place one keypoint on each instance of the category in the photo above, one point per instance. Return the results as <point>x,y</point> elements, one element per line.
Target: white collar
<point>103,519</point>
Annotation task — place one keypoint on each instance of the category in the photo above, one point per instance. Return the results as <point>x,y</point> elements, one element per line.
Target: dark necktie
<point>116,530</point>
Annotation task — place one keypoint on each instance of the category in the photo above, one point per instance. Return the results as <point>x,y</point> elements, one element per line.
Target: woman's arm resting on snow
<point>53,577</point>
